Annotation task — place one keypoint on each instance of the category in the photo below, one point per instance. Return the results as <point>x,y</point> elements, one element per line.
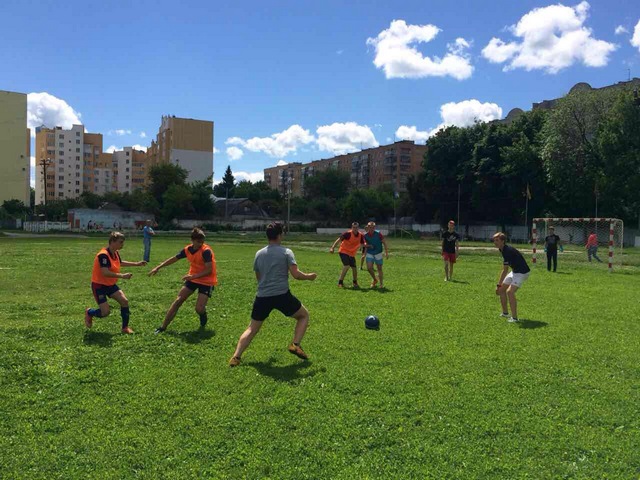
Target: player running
<point>350,242</point>
<point>374,241</point>
<point>450,247</point>
<point>510,281</point>
<point>104,278</point>
<point>202,277</point>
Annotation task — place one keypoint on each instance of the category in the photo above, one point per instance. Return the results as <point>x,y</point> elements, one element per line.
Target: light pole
<point>44,163</point>
<point>289,182</point>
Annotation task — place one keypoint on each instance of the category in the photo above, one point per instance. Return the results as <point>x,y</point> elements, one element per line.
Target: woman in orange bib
<point>202,276</point>
<point>105,274</point>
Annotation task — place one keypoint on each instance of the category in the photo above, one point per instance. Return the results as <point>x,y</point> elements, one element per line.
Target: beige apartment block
<point>184,142</point>
<point>384,165</point>
<point>14,148</point>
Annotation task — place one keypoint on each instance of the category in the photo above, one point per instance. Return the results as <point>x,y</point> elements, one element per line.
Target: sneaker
<point>127,330</point>
<point>374,284</point>
<point>203,323</point>
<point>505,315</point>
<point>88,321</point>
<point>159,330</point>
<point>355,285</point>
<point>513,320</point>
<point>297,351</point>
<point>234,361</point>
<point>340,285</point>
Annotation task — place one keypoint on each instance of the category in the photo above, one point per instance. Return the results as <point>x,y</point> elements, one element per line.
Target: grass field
<point>445,389</point>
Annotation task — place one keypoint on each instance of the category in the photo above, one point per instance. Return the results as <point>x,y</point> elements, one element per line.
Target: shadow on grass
<point>196,336</point>
<point>285,373</point>
<point>531,324</point>
<point>461,282</point>
<point>563,273</point>
<point>98,339</point>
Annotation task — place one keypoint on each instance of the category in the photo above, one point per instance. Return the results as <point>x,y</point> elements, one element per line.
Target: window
<point>77,183</point>
<point>127,177</point>
<point>77,134</point>
<point>61,169</point>
<point>127,156</point>
<point>127,169</point>
<point>61,144</point>
<point>77,191</point>
<point>127,160</point>
<point>61,161</point>
<point>60,186</point>
<point>127,185</point>
<point>77,166</point>
<point>61,152</point>
<point>61,177</point>
<point>77,150</point>
<point>77,142</point>
<point>77,159</point>
<point>77,174</point>
<point>61,136</point>
<point>60,194</point>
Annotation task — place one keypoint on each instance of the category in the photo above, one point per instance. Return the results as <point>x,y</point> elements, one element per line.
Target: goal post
<point>576,231</point>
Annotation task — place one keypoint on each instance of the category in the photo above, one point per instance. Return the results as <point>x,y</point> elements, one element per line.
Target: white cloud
<point>341,138</point>
<point>281,163</point>
<point>397,55</point>
<point>253,177</point>
<point>119,132</point>
<point>32,161</point>
<point>112,149</point>
<point>234,153</point>
<point>215,150</point>
<point>461,114</point>
<point>278,144</point>
<point>143,134</point>
<point>635,40</point>
<point>620,30</point>
<point>139,147</point>
<point>553,38</point>
<point>45,109</point>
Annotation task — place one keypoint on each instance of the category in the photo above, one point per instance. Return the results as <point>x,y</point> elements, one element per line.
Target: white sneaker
<point>513,320</point>
<point>505,315</point>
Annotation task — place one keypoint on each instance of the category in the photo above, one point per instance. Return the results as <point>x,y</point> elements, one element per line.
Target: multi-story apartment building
<point>184,142</point>
<point>385,165</point>
<point>15,148</point>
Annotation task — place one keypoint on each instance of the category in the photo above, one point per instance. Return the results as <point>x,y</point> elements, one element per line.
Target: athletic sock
<point>124,313</point>
<point>95,312</point>
<point>203,318</point>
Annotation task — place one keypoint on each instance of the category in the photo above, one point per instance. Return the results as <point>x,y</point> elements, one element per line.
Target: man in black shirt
<point>450,247</point>
<point>510,281</point>
<point>551,244</point>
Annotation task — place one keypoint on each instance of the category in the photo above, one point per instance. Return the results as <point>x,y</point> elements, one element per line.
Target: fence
<point>46,226</point>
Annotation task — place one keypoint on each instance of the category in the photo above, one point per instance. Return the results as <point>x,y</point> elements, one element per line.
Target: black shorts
<point>101,292</point>
<point>348,260</point>
<point>202,289</point>
<point>285,303</point>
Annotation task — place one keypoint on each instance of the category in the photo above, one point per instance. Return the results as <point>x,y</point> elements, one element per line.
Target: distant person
<point>89,225</point>
<point>510,281</point>
<point>272,266</point>
<point>374,242</point>
<point>592,247</point>
<point>551,244</point>
<point>104,276</point>
<point>202,277</point>
<point>147,233</point>
<point>450,247</point>
<point>350,242</point>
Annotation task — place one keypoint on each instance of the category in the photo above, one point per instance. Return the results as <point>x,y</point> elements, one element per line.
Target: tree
<point>226,188</point>
<point>176,203</point>
<point>201,198</point>
<point>331,183</point>
<point>161,177</point>
<point>14,208</point>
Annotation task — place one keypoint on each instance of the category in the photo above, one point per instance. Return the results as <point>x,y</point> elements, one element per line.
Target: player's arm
<point>335,243</point>
<point>166,263</point>
<point>503,275</point>
<point>300,275</point>
<point>141,263</point>
<point>457,246</point>
<point>386,247</point>
<point>108,273</point>
<point>208,268</point>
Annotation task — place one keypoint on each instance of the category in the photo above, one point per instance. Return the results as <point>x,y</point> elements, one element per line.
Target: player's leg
<point>184,293</point>
<point>103,306</point>
<point>502,293</point>
<point>380,274</point>
<point>246,337</point>
<point>549,256</point>
<point>554,257</point>
<point>446,268</point>
<point>513,303</point>
<point>201,304</point>
<point>121,298</point>
<point>452,261</point>
<point>262,307</point>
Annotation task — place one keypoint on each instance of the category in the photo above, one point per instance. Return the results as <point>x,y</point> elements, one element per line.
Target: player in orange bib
<point>105,274</point>
<point>350,242</point>
<point>202,276</point>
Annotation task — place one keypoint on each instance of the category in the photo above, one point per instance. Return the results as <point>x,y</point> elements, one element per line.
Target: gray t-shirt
<point>272,262</point>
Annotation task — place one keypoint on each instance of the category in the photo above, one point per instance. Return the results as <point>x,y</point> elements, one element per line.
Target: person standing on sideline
<point>450,246</point>
<point>147,233</point>
<point>104,278</point>
<point>350,242</point>
<point>592,247</point>
<point>272,265</point>
<point>202,277</point>
<point>510,281</point>
<point>551,244</point>
<point>374,241</point>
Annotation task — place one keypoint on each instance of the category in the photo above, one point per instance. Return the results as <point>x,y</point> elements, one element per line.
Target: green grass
<point>445,389</point>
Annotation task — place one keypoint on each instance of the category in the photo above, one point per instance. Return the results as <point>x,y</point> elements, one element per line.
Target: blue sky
<point>289,81</point>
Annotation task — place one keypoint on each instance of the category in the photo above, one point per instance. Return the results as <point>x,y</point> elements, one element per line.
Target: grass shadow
<point>98,339</point>
<point>462,282</point>
<point>531,324</point>
<point>197,336</point>
<point>284,373</point>
<point>563,273</point>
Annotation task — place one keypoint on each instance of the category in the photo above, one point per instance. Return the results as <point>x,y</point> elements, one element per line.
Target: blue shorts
<point>202,289</point>
<point>377,258</point>
<point>101,292</point>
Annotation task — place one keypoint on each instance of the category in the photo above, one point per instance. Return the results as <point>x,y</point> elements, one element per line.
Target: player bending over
<point>510,281</point>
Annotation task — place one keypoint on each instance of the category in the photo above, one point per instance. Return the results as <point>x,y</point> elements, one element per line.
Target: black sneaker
<point>203,323</point>
<point>159,330</point>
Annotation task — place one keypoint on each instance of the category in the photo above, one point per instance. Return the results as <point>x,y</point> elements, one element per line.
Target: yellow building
<point>14,148</point>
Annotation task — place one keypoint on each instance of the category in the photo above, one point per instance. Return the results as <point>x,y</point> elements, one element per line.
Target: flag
<point>528,192</point>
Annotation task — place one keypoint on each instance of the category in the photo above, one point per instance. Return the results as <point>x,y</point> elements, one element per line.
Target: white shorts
<point>377,258</point>
<point>516,279</point>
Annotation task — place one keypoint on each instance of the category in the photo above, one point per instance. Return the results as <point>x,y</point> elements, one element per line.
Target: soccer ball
<point>372,322</point>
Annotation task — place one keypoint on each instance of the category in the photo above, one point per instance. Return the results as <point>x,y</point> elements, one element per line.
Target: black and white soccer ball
<point>372,322</point>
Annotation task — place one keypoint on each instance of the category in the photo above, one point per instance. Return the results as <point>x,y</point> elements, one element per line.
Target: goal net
<point>575,234</point>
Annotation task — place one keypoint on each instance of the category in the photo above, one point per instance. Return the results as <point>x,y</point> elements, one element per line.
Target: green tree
<point>226,188</point>
<point>176,204</point>
<point>161,177</point>
<point>331,183</point>
<point>201,198</point>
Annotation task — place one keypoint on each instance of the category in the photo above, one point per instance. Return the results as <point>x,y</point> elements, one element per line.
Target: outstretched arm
<point>300,275</point>
<point>168,261</point>
<point>141,263</point>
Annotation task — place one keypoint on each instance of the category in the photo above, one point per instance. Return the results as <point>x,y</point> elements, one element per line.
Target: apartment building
<point>185,142</point>
<point>384,165</point>
<point>15,148</point>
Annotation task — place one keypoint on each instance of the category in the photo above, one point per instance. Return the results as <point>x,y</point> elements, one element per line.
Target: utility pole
<point>289,182</point>
<point>44,163</point>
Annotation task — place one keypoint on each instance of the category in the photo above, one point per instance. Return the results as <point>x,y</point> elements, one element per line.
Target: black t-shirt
<point>449,240</point>
<point>514,259</point>
<point>551,242</point>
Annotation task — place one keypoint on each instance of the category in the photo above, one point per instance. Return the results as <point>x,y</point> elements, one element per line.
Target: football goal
<point>609,233</point>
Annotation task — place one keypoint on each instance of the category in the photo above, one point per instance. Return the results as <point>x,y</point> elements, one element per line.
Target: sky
<point>296,81</point>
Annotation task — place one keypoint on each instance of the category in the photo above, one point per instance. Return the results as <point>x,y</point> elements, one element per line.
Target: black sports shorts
<point>348,260</point>
<point>285,303</point>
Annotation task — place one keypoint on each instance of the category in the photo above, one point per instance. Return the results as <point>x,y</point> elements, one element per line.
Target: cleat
<point>297,351</point>
<point>340,285</point>
<point>355,285</point>
<point>374,284</point>
<point>234,361</point>
<point>203,323</point>
<point>159,330</point>
<point>505,315</point>
<point>127,330</point>
<point>88,321</point>
<point>513,320</point>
